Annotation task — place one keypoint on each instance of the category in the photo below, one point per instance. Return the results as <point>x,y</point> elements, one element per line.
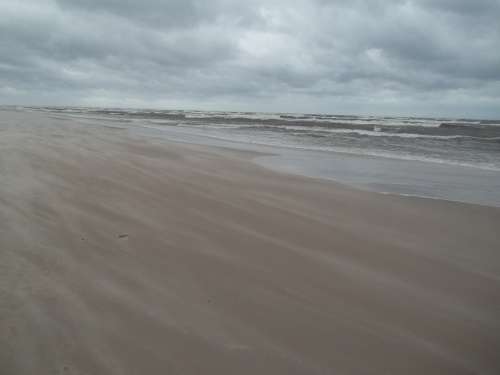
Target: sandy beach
<point>127,254</point>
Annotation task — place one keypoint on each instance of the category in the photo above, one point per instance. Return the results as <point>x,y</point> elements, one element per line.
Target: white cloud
<point>393,56</point>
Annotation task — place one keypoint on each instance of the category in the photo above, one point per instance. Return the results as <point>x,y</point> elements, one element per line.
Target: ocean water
<point>445,158</point>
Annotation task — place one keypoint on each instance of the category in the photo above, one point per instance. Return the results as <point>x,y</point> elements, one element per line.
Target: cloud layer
<point>337,56</point>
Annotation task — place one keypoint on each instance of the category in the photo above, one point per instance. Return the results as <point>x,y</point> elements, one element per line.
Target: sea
<point>454,159</point>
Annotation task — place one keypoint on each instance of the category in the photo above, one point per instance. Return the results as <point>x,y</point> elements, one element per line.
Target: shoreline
<point>263,151</point>
<point>123,253</point>
<point>449,181</point>
<point>279,160</point>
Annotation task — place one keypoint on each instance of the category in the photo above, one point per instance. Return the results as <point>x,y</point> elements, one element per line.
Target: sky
<point>394,57</point>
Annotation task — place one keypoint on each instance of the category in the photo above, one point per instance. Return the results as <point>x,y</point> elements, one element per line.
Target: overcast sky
<point>424,57</point>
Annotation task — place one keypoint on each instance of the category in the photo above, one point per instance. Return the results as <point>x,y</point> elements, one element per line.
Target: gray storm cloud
<point>392,56</point>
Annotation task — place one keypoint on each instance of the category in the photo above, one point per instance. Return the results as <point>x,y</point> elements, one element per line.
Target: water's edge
<point>442,182</point>
<point>370,172</point>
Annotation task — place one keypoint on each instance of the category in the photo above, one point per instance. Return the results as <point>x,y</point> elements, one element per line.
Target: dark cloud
<point>393,56</point>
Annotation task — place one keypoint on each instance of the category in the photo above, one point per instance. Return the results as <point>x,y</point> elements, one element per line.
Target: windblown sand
<point>126,254</point>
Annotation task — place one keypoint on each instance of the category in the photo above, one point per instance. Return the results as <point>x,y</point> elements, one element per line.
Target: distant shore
<point>129,254</point>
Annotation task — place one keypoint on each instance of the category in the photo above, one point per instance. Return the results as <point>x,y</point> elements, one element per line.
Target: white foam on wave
<point>295,117</point>
<point>200,115</point>
<point>410,157</point>
<point>371,133</point>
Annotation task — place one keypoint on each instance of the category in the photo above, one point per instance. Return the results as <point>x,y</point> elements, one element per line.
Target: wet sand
<point>123,254</point>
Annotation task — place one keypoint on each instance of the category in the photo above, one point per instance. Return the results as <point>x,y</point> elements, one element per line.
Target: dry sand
<point>122,254</point>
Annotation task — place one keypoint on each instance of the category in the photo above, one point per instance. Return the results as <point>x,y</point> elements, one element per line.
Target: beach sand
<point>128,254</point>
